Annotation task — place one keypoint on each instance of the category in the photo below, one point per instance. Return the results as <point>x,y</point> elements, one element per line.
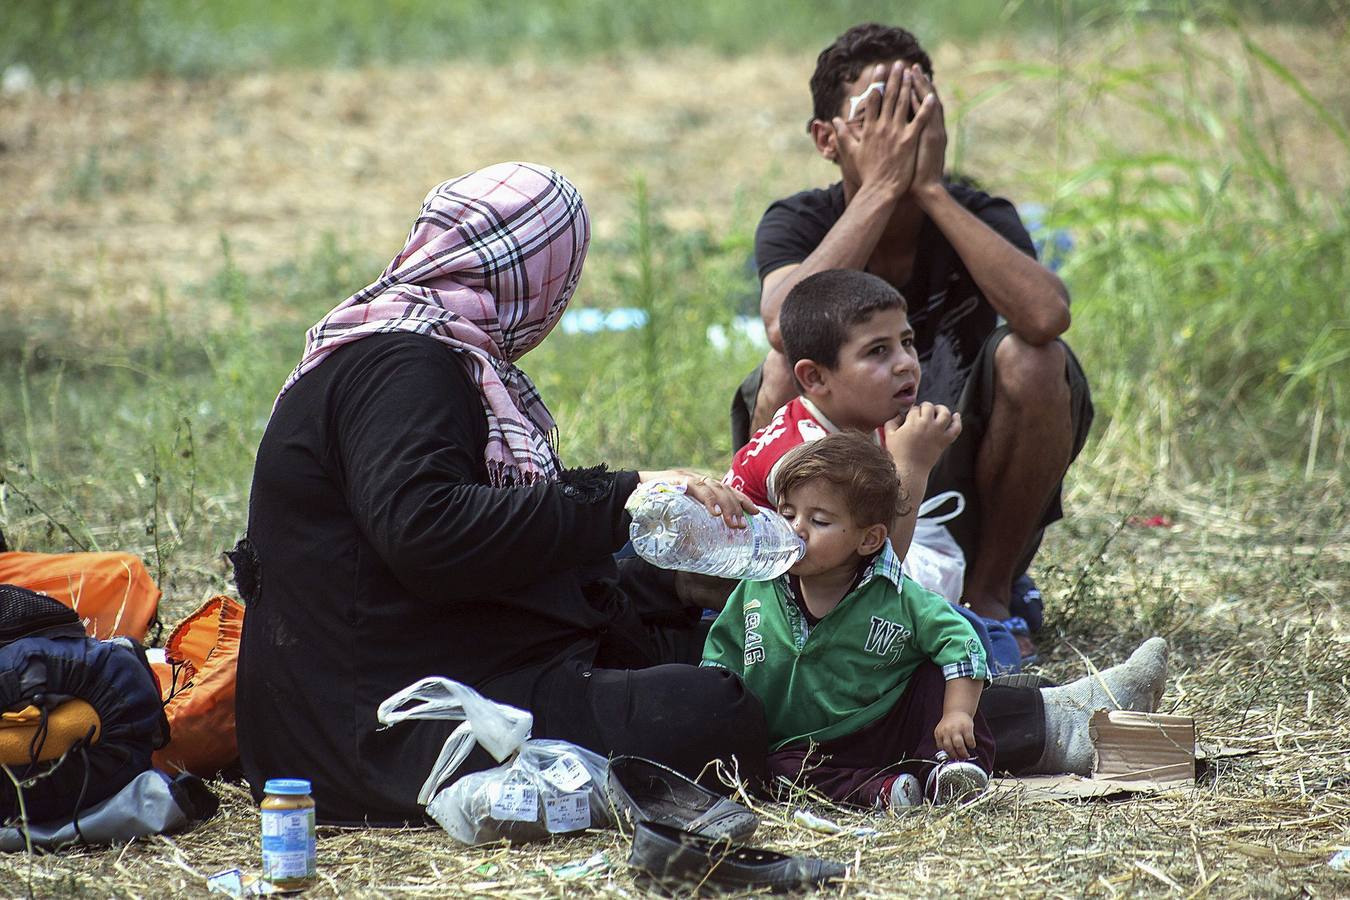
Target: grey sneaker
<point>905,791</point>
<point>955,782</point>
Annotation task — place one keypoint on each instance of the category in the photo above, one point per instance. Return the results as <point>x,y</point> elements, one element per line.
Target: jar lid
<point>287,786</point>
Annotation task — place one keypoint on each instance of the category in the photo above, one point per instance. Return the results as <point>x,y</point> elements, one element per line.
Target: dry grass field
<point>115,190</point>
<point>115,198</point>
<point>1260,633</point>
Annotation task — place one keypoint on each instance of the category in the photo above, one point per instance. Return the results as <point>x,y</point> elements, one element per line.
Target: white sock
<point>1136,684</point>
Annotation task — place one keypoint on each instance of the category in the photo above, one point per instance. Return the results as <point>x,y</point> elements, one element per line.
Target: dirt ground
<point>111,191</point>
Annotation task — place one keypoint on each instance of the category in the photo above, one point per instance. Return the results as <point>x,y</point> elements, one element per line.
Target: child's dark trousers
<point>855,768</point>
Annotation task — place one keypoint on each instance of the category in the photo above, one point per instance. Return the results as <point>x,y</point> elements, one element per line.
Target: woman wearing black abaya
<point>409,517</point>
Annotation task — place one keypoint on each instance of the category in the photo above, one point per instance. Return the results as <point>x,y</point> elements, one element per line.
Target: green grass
<point>1209,312</point>
<point>1209,287</point>
<point>127,38</point>
<point>1201,373</point>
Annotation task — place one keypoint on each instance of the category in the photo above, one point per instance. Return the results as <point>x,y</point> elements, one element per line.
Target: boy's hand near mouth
<point>915,442</point>
<point>917,439</point>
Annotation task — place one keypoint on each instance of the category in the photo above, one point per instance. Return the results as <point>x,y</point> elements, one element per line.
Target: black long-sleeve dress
<point>377,554</point>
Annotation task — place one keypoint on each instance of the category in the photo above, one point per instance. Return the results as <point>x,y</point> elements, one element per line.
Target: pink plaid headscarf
<point>487,270</point>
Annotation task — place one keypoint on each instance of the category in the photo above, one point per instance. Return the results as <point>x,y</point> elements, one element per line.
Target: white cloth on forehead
<point>855,102</point>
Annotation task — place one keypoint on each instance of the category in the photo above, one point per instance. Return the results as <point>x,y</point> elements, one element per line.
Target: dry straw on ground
<point>1260,636</point>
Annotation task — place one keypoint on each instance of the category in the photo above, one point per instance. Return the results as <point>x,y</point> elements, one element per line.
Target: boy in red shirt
<point>847,336</point>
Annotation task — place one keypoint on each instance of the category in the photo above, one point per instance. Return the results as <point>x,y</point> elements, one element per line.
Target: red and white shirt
<point>798,422</point>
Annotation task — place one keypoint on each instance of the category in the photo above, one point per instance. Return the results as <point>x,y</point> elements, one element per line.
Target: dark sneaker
<point>644,791</point>
<point>1021,632</point>
<point>677,858</point>
<point>1026,603</point>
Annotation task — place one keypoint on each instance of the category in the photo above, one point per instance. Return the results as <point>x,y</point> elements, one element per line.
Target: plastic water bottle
<point>674,531</point>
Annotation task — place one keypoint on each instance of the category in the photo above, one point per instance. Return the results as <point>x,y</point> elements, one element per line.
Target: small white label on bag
<point>567,774</point>
<point>514,802</point>
<point>567,812</point>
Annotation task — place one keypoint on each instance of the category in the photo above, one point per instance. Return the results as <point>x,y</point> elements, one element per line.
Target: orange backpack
<point>197,684</point>
<point>112,593</point>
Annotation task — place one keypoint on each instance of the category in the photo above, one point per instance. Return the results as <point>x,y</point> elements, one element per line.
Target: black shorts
<point>955,471</point>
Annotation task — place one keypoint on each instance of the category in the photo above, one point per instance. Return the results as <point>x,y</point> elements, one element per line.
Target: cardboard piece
<point>1142,747</point>
<point>1052,788</point>
<point>1136,753</point>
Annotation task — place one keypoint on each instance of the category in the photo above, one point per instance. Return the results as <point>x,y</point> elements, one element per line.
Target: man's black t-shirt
<point>950,316</point>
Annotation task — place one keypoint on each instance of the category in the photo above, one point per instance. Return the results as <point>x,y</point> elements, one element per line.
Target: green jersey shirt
<point>849,670</point>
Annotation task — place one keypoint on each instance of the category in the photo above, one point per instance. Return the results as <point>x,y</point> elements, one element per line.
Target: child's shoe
<point>902,791</point>
<point>955,782</point>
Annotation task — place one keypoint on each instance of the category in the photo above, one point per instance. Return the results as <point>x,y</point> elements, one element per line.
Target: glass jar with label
<point>288,834</point>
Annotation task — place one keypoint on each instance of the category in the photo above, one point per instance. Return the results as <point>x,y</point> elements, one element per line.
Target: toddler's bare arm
<point>955,733</point>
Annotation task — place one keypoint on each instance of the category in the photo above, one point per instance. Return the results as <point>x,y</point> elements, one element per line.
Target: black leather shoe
<point>645,791</point>
<point>677,858</point>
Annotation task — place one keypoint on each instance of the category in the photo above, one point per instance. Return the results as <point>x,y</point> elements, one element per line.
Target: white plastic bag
<point>934,559</point>
<point>547,787</point>
<point>550,787</point>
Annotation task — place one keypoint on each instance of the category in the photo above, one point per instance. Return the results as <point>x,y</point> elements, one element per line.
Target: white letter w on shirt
<point>882,637</point>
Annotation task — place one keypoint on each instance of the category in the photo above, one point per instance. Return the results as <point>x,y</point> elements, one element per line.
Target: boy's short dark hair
<point>820,309</point>
<point>854,50</point>
<point>856,466</point>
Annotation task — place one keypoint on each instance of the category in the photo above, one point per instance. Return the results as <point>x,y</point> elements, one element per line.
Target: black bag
<point>52,674</point>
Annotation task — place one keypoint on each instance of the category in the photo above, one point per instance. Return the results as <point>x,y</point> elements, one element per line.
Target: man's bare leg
<point>1022,458</point>
<point>776,388</point>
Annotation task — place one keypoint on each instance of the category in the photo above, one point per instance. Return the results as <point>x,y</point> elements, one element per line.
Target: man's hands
<point>880,148</point>
<point>717,498</point>
<point>932,140</point>
<point>883,147</point>
<point>918,440</point>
